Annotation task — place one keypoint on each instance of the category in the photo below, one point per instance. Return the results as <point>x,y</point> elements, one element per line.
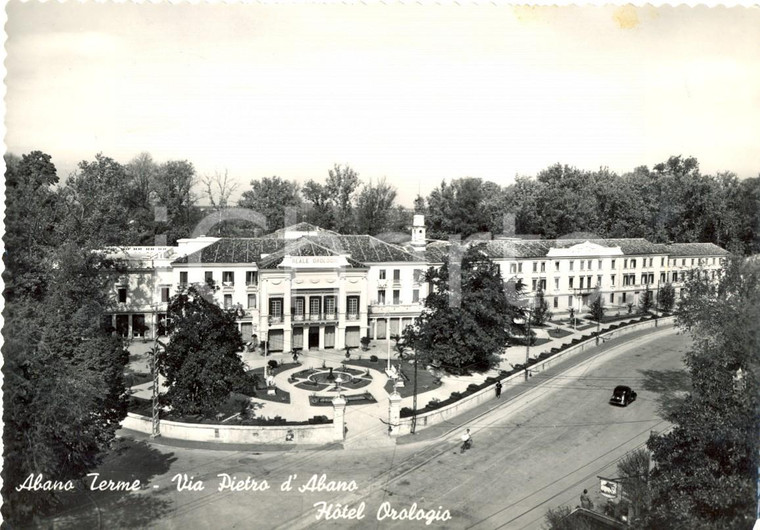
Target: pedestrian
<point>466,441</point>
<point>498,389</point>
<point>586,501</point>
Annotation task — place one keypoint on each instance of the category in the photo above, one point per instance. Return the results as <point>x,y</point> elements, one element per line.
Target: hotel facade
<point>307,288</point>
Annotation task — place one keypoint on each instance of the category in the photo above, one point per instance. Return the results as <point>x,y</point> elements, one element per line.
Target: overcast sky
<point>413,93</point>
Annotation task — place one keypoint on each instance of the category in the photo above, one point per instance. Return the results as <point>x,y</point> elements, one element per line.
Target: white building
<point>303,287</point>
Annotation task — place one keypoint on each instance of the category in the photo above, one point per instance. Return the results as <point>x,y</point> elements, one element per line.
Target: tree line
<point>129,204</point>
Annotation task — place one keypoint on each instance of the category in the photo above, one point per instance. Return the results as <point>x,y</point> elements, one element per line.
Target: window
<point>164,294</point>
<point>542,284</point>
<point>651,277</point>
<point>599,265</point>
<point>228,278</point>
<point>315,305</point>
<point>329,305</point>
<point>683,263</point>
<point>583,263</point>
<point>381,296</point>
<point>396,275</point>
<point>556,284</point>
<point>519,267</point>
<point>275,307</point>
<point>625,263</point>
<point>122,294</point>
<point>543,266</point>
<point>556,265</point>
<point>662,262</point>
<point>534,285</point>
<point>227,301</point>
<point>662,277</point>
<point>352,306</point>
<point>612,280</point>
<point>396,297</point>
<point>415,296</point>
<point>572,263</point>
<point>382,274</point>
<point>692,262</point>
<point>675,276</point>
<point>251,277</point>
<point>590,265</point>
<point>556,302</point>
<point>643,279</point>
<point>251,301</point>
<point>613,263</point>
<point>599,280</point>
<point>512,268</point>
<point>299,306</point>
<point>612,298</point>
<point>623,297</point>
<point>417,275</point>
<point>535,266</point>
<point>570,281</point>
<point>183,278</point>
<point>570,301</point>
<point>581,283</point>
<point>209,277</point>
<point>633,263</point>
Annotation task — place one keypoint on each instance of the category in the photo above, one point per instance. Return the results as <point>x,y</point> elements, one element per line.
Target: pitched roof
<point>695,249</point>
<point>235,250</point>
<point>366,249</point>
<point>539,248</point>
<point>303,247</point>
<point>309,228</point>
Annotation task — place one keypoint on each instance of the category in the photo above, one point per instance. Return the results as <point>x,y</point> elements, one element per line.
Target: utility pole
<point>527,349</point>
<point>414,399</point>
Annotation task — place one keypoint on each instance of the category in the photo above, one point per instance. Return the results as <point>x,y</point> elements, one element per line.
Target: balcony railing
<point>315,317</point>
<point>352,316</point>
<point>275,319</point>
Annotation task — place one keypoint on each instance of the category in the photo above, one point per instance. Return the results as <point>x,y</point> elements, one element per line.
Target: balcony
<point>252,286</point>
<point>275,319</point>
<point>352,316</point>
<point>316,318</point>
<point>382,283</point>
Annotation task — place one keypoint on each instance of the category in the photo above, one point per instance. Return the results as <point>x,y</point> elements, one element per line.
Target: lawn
<point>558,333</point>
<point>537,342</point>
<point>425,381</point>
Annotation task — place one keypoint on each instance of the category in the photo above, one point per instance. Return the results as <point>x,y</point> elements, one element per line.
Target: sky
<point>414,94</point>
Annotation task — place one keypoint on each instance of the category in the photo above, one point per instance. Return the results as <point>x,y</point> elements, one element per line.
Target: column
<point>339,418</point>
<point>394,414</point>
<point>321,337</point>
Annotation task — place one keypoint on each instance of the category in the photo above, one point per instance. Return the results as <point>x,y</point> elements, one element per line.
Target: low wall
<point>487,394</point>
<point>241,434</point>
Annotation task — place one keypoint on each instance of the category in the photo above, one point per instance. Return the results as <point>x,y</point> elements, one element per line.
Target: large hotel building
<point>303,287</point>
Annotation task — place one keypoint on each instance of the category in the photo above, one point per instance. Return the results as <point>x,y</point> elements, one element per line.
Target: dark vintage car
<point>622,396</point>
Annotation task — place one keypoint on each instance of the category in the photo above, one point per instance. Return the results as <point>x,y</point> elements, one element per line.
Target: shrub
<point>318,420</point>
<point>272,364</point>
<point>556,350</point>
<point>406,412</point>
<point>473,387</point>
<point>373,358</point>
<point>455,395</point>
<point>491,380</point>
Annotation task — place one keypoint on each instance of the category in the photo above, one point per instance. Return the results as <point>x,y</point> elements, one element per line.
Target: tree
<point>705,467</point>
<point>342,182</point>
<point>646,302</point>
<point>597,308</point>
<point>633,470</point>
<point>320,213</point>
<point>64,389</point>
<point>201,362</point>
<point>541,313</point>
<point>374,208</point>
<point>270,197</point>
<point>466,335</point>
<point>458,208</point>
<point>218,189</point>
<point>173,189</point>
<point>666,298</point>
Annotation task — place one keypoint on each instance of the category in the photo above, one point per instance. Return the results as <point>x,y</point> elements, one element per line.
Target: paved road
<point>524,460</point>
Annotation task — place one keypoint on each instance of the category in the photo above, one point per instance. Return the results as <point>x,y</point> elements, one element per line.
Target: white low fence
<point>241,434</point>
<point>447,412</point>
